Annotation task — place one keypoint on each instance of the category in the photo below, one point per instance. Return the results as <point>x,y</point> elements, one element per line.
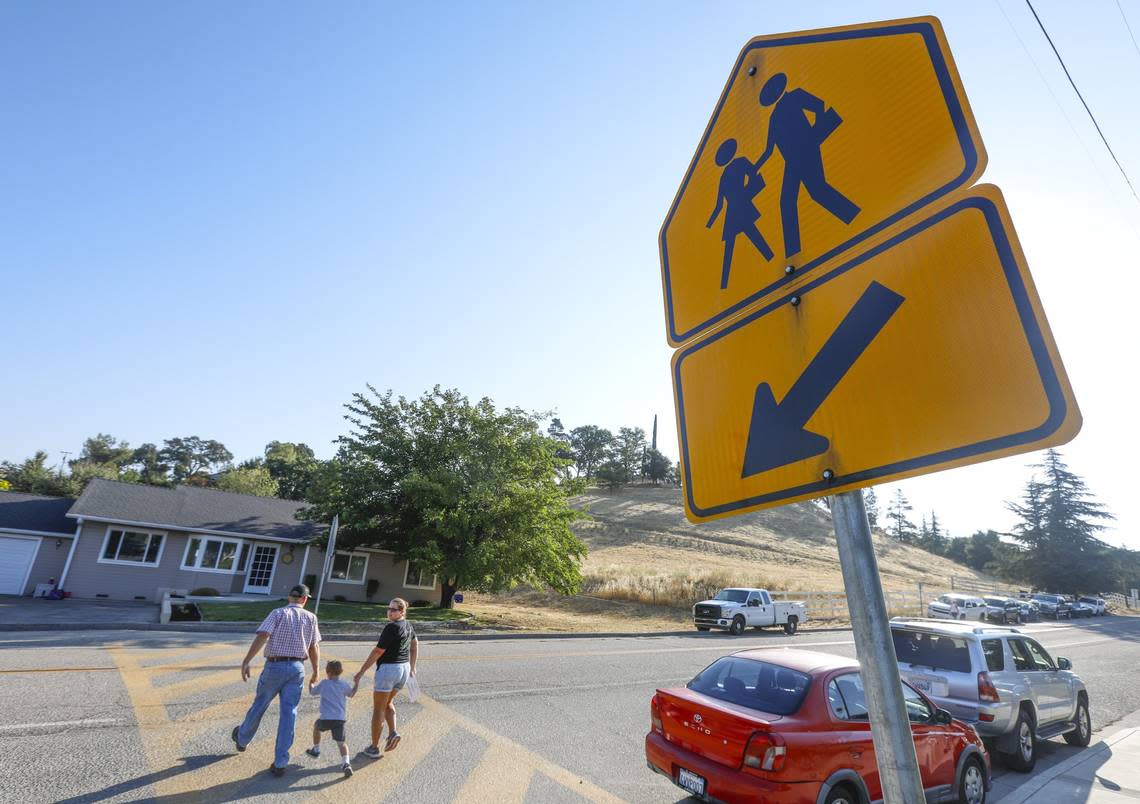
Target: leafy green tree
<point>871,503</point>
<point>34,476</point>
<point>589,445</point>
<point>982,549</point>
<point>146,462</point>
<point>629,450</point>
<point>612,475</point>
<point>901,528</point>
<point>193,457</point>
<point>293,466</point>
<point>105,449</point>
<point>658,466</point>
<point>463,490</point>
<point>1058,523</point>
<point>956,549</point>
<point>254,480</point>
<point>935,540</point>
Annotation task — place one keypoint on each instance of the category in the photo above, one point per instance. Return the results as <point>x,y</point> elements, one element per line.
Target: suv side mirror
<point>942,717</point>
<point>1064,663</point>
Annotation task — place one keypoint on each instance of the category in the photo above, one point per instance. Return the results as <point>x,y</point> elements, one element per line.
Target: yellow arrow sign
<point>819,140</point>
<point>924,349</point>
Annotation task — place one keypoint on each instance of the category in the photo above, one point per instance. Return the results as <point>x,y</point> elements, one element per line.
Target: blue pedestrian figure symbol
<point>799,140</point>
<point>740,182</point>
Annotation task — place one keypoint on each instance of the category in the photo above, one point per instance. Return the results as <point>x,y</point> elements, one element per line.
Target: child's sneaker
<point>372,751</point>
<point>346,769</point>
<point>314,752</point>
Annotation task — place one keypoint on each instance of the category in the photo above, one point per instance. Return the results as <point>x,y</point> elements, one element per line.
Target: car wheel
<point>1081,735</point>
<point>1024,755</point>
<point>792,625</point>
<point>972,783</point>
<point>737,627</point>
<point>702,628</point>
<point>841,795</point>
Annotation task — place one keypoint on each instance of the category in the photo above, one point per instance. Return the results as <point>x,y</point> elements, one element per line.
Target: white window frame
<point>407,570</point>
<point>203,538</point>
<point>351,555</point>
<point>127,529</point>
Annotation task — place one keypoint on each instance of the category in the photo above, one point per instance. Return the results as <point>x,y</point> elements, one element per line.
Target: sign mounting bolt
<point>828,475</point>
<point>752,70</point>
<point>789,270</point>
<point>795,301</point>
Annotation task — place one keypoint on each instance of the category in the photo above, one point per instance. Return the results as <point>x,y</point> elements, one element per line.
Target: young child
<point>334,711</point>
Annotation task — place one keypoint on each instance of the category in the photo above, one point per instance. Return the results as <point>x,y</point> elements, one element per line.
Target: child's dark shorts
<point>335,726</point>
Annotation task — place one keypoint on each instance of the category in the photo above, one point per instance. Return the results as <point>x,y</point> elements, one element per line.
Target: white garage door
<point>16,556</point>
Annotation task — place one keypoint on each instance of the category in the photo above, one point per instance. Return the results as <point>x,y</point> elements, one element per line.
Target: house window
<point>136,547</point>
<point>349,568</point>
<point>416,577</point>
<point>213,555</point>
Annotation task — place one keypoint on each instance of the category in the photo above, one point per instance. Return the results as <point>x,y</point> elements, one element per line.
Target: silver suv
<point>997,679</point>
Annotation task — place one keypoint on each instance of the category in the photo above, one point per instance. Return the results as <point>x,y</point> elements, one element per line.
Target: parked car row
<point>1011,611</point>
<point>792,725</point>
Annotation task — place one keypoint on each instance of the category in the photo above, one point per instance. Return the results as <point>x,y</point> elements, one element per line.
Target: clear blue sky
<point>223,219</point>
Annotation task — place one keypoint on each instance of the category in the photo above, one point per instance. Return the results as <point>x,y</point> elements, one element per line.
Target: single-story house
<point>126,541</point>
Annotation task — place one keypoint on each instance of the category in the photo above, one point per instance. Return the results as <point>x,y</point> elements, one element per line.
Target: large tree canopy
<point>460,489</point>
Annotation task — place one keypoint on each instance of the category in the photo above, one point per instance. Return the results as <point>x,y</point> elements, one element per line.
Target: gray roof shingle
<point>194,508</point>
<point>20,511</point>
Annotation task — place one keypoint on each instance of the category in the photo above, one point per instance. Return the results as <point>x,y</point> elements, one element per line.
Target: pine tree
<point>936,537</point>
<point>1058,524</point>
<point>871,503</point>
<point>901,528</point>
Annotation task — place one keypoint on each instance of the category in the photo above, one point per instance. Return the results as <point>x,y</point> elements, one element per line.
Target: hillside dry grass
<point>643,552</point>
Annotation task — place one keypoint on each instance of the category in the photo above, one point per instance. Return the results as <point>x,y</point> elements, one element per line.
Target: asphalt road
<point>130,716</point>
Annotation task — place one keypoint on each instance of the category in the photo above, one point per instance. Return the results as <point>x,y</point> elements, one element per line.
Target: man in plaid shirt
<point>289,635</point>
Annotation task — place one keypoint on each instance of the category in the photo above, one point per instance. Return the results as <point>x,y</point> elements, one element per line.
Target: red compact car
<point>791,726</point>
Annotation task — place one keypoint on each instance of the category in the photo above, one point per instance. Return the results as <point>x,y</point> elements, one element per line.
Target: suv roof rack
<point>968,626</point>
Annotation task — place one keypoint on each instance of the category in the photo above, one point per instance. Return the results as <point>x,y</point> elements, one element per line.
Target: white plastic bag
<point>413,688</point>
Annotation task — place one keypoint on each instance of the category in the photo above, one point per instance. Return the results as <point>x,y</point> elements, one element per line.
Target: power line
<point>1092,117</point>
<point>1124,17</point>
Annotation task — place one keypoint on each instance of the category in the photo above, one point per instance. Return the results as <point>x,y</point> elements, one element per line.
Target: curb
<point>1027,791</point>
<point>334,634</point>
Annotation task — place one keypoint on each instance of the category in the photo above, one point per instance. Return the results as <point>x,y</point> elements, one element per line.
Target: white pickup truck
<point>736,609</point>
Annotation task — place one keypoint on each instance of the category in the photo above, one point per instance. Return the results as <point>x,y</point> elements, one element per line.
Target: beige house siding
<point>384,567</point>
<point>88,577</point>
<point>49,562</point>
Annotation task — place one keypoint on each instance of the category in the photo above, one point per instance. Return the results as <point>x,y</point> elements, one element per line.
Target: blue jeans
<point>284,679</point>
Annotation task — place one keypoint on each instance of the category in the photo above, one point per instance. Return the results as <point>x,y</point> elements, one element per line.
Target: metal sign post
<point>890,726</point>
<point>330,551</point>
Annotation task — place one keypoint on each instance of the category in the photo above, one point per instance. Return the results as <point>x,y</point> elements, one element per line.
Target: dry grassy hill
<point>648,564</point>
<point>639,536</point>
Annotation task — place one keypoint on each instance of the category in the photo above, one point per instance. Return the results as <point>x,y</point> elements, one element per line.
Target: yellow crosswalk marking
<point>499,778</point>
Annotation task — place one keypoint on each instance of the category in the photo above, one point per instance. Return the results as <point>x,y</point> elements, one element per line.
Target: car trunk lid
<point>712,729</point>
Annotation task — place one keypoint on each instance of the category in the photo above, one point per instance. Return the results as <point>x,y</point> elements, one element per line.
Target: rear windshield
<point>1047,598</point>
<point>936,651</point>
<point>732,595</point>
<point>757,685</point>
<point>995,655</point>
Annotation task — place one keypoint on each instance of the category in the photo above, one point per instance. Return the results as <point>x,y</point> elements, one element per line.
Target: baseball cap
<point>300,590</point>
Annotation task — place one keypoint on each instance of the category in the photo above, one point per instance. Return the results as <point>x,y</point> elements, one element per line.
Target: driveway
<point>39,611</point>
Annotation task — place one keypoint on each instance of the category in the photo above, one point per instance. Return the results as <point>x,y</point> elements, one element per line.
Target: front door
<point>261,567</point>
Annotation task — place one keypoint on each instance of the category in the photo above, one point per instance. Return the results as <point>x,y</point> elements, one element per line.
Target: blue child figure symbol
<point>740,182</point>
<point>799,141</point>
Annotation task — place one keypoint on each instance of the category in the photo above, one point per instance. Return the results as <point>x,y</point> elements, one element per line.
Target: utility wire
<point>1082,99</point>
<point>1124,17</point>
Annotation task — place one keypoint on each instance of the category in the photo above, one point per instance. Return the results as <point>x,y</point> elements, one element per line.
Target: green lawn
<point>331,611</point>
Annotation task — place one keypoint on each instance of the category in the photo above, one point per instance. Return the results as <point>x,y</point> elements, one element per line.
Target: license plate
<point>931,686</point>
<point>691,782</point>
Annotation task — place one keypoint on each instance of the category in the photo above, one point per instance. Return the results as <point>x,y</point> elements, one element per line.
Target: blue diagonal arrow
<point>776,435</point>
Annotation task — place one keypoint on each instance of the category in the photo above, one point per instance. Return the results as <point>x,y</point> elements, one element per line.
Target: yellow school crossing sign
<point>819,140</point>
<point>848,310</point>
<point>926,349</point>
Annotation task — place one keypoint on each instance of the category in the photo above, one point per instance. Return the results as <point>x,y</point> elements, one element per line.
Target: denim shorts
<point>391,676</point>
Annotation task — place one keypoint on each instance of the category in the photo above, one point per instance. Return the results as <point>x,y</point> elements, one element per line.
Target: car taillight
<point>655,715</point>
<point>986,690</point>
<point>765,751</point>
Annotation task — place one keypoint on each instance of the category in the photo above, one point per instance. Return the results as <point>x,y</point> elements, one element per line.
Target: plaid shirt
<point>292,631</point>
